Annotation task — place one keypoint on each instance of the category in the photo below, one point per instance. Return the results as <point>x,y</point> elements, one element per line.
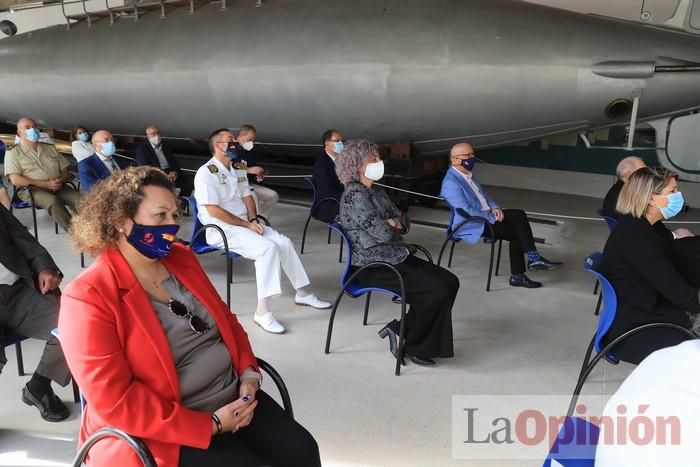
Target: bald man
<point>40,167</point>
<point>461,190</point>
<point>102,163</point>
<point>625,168</point>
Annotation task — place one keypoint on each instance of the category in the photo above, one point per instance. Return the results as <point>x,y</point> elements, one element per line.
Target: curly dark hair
<point>109,203</point>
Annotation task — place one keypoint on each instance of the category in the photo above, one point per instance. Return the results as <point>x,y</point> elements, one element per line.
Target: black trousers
<point>515,228</point>
<point>271,439</point>
<point>430,292</point>
<point>26,311</point>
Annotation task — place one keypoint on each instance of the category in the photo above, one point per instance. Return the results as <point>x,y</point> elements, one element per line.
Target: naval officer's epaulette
<point>213,168</point>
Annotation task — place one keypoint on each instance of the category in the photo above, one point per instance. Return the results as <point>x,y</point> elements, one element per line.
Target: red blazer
<point>120,357</point>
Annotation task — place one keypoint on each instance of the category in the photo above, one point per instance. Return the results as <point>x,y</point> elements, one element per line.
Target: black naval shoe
<point>541,264</point>
<point>521,280</point>
<point>50,406</point>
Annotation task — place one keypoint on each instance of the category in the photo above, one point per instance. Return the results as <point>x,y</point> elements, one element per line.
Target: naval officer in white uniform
<point>224,198</point>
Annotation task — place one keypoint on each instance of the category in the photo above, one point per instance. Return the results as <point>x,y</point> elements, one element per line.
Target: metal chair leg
<point>488,280</point>
<point>331,319</point>
<point>303,236</point>
<point>20,361</point>
<point>369,296</point>
<point>452,250</point>
<point>55,227</point>
<point>76,391</point>
<point>229,280</point>
<point>595,287</point>
<point>36,228</point>
<point>340,254</point>
<point>329,235</point>
<point>498,258</point>
<point>82,260</point>
<point>597,307</point>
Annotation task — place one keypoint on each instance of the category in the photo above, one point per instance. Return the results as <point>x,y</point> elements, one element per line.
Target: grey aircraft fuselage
<point>432,72</point>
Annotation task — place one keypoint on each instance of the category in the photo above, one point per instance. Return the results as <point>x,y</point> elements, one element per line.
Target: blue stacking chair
<point>12,338</point>
<point>198,243</point>
<point>575,445</point>
<point>354,290</point>
<point>488,238</point>
<point>315,204</point>
<point>605,322</point>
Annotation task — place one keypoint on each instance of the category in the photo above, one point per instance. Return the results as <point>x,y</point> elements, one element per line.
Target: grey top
<point>207,378</point>
<point>363,214</point>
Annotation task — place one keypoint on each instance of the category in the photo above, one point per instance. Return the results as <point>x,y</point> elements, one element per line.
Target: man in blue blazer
<point>462,190</point>
<point>326,180</point>
<point>102,164</point>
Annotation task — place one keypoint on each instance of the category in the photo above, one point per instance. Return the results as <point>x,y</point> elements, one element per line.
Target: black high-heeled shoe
<point>391,330</point>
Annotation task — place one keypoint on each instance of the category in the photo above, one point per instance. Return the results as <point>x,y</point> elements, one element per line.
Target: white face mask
<point>154,140</point>
<point>375,170</point>
<point>248,145</point>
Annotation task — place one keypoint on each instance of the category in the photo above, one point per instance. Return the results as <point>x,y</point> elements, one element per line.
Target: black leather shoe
<point>421,360</point>
<point>50,406</point>
<point>523,281</point>
<point>392,330</point>
<point>541,264</point>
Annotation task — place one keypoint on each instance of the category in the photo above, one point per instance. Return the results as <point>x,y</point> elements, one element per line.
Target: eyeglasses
<point>471,154</point>
<point>180,310</point>
<point>336,140</point>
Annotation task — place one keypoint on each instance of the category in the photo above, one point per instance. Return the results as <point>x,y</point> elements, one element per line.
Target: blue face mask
<point>83,137</point>
<point>108,148</point>
<point>674,206</point>
<point>32,134</point>
<point>468,163</point>
<point>232,150</point>
<point>153,241</point>
<point>338,147</point>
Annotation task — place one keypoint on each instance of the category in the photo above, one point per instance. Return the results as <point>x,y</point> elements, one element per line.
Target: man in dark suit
<point>102,164</point>
<point>154,153</point>
<point>29,281</point>
<point>326,180</point>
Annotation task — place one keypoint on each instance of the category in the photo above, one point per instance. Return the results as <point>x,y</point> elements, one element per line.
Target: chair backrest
<point>344,238</point>
<point>199,244</point>
<point>17,202</point>
<point>313,192</point>
<point>609,309</point>
<point>575,444</point>
<point>611,221</point>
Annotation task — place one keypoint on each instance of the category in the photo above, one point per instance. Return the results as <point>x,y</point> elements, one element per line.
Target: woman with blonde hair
<point>154,349</point>
<point>640,263</point>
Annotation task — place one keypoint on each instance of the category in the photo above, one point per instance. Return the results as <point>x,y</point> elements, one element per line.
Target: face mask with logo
<point>248,145</point>
<point>674,206</point>
<point>108,148</point>
<point>154,140</point>
<point>375,170</point>
<point>153,241</point>
<point>338,147</point>
<point>32,134</point>
<point>83,137</point>
<point>232,150</point>
<point>468,163</point>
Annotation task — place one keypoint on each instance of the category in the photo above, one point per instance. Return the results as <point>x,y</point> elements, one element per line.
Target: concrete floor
<point>509,341</point>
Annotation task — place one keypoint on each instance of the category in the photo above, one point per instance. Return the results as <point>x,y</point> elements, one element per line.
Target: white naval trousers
<point>270,251</point>
<point>265,198</point>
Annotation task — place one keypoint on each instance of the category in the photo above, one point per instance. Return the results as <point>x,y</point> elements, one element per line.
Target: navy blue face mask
<point>232,150</point>
<point>468,163</point>
<point>153,241</point>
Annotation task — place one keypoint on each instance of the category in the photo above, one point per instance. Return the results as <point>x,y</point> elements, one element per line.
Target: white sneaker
<point>311,300</point>
<point>268,323</point>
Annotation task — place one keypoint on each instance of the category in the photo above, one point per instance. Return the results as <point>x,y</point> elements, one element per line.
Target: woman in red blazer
<point>141,330</point>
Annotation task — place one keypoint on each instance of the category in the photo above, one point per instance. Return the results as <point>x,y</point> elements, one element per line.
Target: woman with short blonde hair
<point>642,265</point>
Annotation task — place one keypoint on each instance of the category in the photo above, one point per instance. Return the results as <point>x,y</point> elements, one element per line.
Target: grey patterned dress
<point>363,215</point>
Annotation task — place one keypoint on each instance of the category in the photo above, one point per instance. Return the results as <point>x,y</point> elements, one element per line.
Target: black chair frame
<point>312,211</point>
<point>588,364</point>
<point>450,238</point>
<point>402,287</point>
<point>225,253</point>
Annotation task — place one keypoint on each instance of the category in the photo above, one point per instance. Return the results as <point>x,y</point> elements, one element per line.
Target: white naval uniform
<point>216,184</point>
